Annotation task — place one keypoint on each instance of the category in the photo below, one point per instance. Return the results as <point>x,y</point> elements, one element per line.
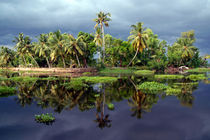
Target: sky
<point>167,18</point>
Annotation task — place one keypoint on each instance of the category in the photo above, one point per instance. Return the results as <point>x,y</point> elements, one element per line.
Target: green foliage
<point>75,84</point>
<point>173,91</point>
<point>152,86</point>
<point>144,72</point>
<point>110,106</point>
<point>86,73</point>
<point>169,76</point>
<point>45,118</point>
<point>23,79</point>
<point>158,64</point>
<point>7,91</point>
<point>199,70</point>
<point>98,79</point>
<point>118,70</point>
<point>196,77</point>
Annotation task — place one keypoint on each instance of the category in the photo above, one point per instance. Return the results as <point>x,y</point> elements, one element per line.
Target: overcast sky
<point>167,18</point>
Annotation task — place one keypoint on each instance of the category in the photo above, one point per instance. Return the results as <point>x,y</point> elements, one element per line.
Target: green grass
<point>144,72</point>
<point>169,76</point>
<point>86,73</point>
<point>197,77</point>
<point>7,91</point>
<point>23,79</point>
<point>117,70</point>
<point>152,86</point>
<point>28,78</point>
<point>44,118</point>
<point>199,70</point>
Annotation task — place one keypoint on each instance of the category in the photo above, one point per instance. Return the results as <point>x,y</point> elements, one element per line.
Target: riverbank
<point>52,70</point>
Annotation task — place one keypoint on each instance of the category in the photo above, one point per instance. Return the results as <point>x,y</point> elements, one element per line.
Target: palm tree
<point>74,45</point>
<point>98,38</point>
<point>138,37</point>
<point>102,20</point>
<point>24,47</point>
<point>6,55</point>
<point>29,48</point>
<point>57,41</point>
<point>42,47</point>
<point>20,45</point>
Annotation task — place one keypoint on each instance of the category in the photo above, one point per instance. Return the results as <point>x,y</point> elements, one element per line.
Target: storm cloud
<point>166,18</point>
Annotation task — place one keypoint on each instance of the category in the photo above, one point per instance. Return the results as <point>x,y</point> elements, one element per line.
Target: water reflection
<point>55,95</point>
<point>141,103</point>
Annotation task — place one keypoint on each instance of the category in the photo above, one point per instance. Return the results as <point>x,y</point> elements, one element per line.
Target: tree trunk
<point>34,60</point>
<point>85,62</point>
<point>24,60</point>
<point>48,62</point>
<point>64,64</point>
<point>78,60</point>
<point>133,57</point>
<point>103,47</point>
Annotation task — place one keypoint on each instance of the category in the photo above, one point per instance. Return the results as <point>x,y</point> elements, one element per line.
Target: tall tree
<point>24,47</point>
<point>20,45</point>
<point>102,19</point>
<point>74,46</point>
<point>138,37</point>
<point>42,47</point>
<point>57,41</point>
<point>6,56</point>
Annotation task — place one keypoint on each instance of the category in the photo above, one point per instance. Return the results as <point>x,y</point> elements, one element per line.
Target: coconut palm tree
<point>6,55</point>
<point>24,47</point>
<point>74,46</point>
<point>56,42</point>
<point>42,47</point>
<point>138,37</point>
<point>20,45</point>
<point>98,39</point>
<point>102,19</point>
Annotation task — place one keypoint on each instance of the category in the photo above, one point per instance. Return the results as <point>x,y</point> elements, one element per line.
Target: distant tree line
<point>143,48</point>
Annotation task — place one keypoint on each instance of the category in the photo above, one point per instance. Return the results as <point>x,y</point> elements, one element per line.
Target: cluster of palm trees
<point>51,46</point>
<point>57,48</point>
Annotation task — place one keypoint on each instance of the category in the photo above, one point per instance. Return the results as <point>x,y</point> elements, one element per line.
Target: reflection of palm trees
<point>142,103</point>
<point>186,99</point>
<point>103,121</point>
<point>25,96</point>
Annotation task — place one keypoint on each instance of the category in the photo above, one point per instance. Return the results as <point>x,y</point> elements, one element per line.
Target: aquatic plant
<point>173,91</point>
<point>199,70</point>
<point>169,76</point>
<point>44,118</point>
<point>6,91</point>
<point>144,72</point>
<point>97,79</point>
<point>110,106</point>
<point>196,77</point>
<point>117,70</point>
<point>75,84</point>
<point>152,86</point>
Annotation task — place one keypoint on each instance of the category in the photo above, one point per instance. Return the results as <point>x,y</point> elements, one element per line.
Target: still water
<point>113,111</point>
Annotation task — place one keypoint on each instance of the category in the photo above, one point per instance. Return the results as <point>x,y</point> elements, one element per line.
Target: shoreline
<point>53,70</point>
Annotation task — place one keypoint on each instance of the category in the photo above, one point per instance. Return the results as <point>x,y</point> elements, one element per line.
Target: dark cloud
<point>165,17</point>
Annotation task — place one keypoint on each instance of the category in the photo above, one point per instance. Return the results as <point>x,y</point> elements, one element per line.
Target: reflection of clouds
<point>168,120</point>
